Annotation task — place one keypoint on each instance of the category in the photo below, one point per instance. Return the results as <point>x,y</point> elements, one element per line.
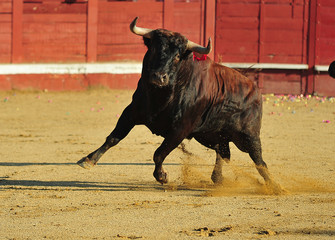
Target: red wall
<point>249,31</point>
<point>5,30</point>
<point>279,31</point>
<point>325,45</point>
<point>325,32</point>
<point>272,32</point>
<point>54,32</point>
<point>115,41</point>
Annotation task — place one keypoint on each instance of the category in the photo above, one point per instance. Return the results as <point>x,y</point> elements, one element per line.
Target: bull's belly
<point>210,139</point>
<point>158,130</point>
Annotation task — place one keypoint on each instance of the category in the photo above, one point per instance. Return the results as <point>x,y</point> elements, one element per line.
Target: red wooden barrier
<point>279,31</point>
<point>17,31</point>
<point>92,30</point>
<point>5,31</point>
<point>54,31</point>
<point>96,30</point>
<point>243,31</point>
<point>324,47</point>
<point>260,31</point>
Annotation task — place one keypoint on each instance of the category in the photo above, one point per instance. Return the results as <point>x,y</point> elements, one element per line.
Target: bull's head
<point>166,52</point>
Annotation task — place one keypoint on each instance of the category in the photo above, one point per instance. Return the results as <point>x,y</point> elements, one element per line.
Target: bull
<point>181,97</point>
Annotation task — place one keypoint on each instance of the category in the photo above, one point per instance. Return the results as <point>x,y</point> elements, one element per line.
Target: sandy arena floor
<point>44,194</point>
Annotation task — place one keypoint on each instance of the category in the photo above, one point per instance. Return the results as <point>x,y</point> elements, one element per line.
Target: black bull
<point>179,97</point>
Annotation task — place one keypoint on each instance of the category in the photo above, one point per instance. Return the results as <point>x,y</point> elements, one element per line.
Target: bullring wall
<point>286,45</point>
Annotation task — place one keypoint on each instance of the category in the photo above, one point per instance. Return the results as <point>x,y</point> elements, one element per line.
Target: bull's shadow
<point>152,186</point>
<point>22,164</point>
<point>6,183</point>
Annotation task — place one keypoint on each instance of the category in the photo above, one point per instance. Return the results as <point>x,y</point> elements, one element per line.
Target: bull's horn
<point>200,49</point>
<point>145,32</point>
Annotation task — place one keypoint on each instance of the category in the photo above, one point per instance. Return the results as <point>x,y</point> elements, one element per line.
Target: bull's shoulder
<point>232,78</point>
<point>235,87</point>
<point>228,74</point>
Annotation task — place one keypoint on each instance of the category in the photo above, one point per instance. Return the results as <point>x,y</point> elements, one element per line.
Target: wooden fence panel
<point>284,37</point>
<point>279,32</point>
<point>241,38</point>
<point>115,41</point>
<point>325,28</point>
<point>5,31</point>
<point>188,20</point>
<point>324,45</point>
<point>237,31</point>
<point>281,82</point>
<point>248,31</point>
<point>54,31</point>
<point>6,7</point>
<point>324,85</point>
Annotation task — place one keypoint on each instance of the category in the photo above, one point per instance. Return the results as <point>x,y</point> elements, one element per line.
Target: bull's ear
<point>186,54</point>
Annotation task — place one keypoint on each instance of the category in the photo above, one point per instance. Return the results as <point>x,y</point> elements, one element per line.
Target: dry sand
<point>44,194</point>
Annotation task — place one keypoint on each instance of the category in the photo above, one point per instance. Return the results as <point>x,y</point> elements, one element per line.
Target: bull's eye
<point>177,57</point>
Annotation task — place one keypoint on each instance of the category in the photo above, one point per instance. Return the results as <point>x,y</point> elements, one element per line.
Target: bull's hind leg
<point>255,152</point>
<point>222,154</point>
<point>123,127</point>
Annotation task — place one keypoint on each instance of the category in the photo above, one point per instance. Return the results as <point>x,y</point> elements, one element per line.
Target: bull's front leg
<point>124,125</point>
<point>162,152</point>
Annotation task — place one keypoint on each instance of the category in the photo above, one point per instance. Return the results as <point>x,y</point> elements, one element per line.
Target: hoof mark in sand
<point>266,232</point>
<point>128,237</point>
<point>207,232</point>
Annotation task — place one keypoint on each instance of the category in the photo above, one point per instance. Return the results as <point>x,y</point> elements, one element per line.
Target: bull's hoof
<point>161,177</point>
<point>85,163</point>
<point>274,188</point>
<point>217,178</point>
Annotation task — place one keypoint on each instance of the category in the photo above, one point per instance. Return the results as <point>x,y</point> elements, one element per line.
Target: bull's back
<point>235,100</point>
<point>236,86</point>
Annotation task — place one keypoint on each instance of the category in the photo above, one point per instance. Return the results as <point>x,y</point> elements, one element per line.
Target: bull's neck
<point>189,71</point>
<point>158,98</point>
